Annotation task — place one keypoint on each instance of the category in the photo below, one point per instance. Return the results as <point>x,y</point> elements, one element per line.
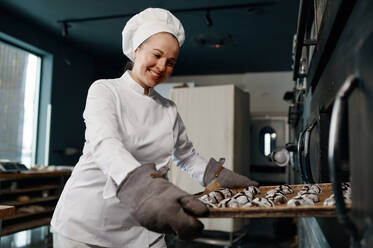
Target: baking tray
<point>282,210</point>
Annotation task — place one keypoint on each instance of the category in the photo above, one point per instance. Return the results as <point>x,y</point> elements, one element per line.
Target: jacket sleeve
<point>184,154</point>
<point>104,139</point>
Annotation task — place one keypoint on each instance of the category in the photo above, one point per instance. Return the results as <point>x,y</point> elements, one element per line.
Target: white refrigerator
<point>217,122</point>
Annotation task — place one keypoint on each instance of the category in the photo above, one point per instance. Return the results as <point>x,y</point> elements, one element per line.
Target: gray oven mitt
<point>160,206</point>
<point>225,177</point>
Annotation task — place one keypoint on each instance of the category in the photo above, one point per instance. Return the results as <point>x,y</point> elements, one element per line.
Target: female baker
<point>117,195</point>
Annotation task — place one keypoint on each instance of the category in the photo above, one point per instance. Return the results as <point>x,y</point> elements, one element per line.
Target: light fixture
<point>208,19</point>
<point>251,7</point>
<point>65,29</point>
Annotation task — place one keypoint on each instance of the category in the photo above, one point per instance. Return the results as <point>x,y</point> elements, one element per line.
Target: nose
<point>161,65</point>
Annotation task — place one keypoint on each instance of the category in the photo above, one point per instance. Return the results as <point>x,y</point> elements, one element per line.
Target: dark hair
<point>128,66</point>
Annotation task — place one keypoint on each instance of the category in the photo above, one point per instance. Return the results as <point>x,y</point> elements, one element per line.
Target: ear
<point>135,53</point>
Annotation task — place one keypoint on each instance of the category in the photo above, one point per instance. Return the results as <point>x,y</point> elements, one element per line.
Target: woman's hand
<point>225,177</point>
<point>160,206</point>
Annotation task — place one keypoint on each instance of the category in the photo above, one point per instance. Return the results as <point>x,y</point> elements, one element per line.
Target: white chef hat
<point>146,23</point>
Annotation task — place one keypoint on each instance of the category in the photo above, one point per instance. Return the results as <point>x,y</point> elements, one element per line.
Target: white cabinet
<point>217,122</point>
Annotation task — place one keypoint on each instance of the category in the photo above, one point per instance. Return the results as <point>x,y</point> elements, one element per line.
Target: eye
<point>157,55</point>
<point>172,64</point>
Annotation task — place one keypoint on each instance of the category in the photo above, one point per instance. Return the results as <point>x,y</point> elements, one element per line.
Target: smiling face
<point>154,60</point>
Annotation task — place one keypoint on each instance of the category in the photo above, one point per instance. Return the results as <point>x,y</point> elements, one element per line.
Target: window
<point>267,140</point>
<point>19,103</point>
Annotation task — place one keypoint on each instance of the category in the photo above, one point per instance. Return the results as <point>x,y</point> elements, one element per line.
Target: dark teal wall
<point>73,72</point>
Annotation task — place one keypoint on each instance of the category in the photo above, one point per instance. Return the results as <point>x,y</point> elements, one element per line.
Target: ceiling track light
<point>65,29</point>
<point>208,19</point>
<point>222,7</point>
<point>250,7</point>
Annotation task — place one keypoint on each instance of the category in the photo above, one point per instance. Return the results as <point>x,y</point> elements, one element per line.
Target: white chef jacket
<point>124,129</point>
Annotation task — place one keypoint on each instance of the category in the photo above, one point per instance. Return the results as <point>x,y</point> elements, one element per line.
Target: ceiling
<point>254,35</point>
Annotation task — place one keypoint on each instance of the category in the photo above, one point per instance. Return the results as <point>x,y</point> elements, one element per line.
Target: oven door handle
<point>307,145</point>
<point>334,156</point>
<point>300,156</point>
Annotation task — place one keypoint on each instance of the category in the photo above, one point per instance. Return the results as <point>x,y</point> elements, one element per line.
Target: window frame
<point>45,91</point>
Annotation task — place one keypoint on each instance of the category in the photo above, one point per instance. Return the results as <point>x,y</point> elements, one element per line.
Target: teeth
<point>155,74</point>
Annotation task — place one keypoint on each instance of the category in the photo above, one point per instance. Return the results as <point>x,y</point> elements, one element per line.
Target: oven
<point>331,117</point>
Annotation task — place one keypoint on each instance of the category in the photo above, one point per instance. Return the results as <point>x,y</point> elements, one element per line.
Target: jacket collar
<point>135,85</point>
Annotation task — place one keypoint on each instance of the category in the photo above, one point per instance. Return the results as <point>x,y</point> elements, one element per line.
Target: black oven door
<point>350,60</point>
<point>354,123</point>
<point>360,122</point>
